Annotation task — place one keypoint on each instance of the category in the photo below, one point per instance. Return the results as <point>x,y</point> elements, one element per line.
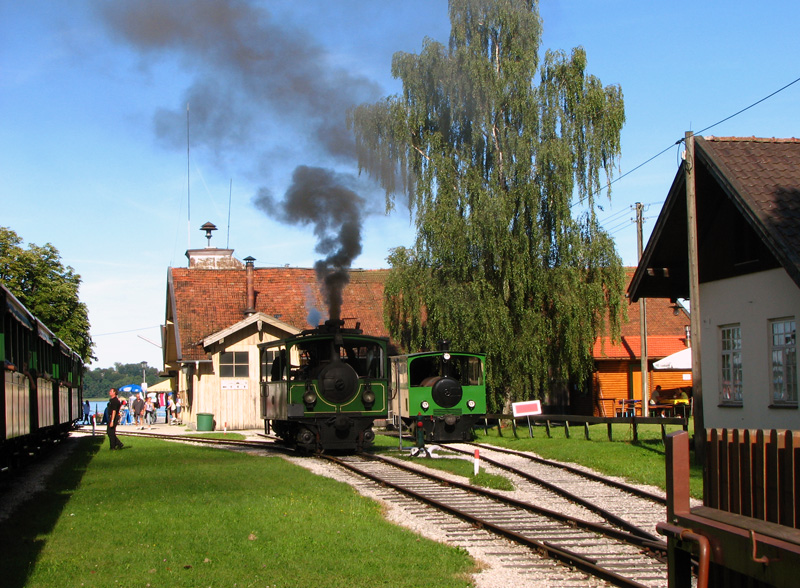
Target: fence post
<point>609,431</point>
<point>547,428</point>
<point>566,428</point>
<point>586,430</point>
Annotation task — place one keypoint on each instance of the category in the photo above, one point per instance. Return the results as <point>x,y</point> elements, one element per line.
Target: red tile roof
<point>210,300</point>
<point>666,332</point>
<point>631,347</point>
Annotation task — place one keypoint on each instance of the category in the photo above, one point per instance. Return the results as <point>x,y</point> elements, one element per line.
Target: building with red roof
<point>219,309</point>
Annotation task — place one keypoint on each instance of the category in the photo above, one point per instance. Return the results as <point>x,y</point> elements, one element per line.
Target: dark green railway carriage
<point>41,383</point>
<point>444,390</point>
<point>322,389</point>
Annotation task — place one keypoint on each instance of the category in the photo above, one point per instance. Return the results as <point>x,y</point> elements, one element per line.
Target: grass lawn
<point>162,514</point>
<point>641,462</point>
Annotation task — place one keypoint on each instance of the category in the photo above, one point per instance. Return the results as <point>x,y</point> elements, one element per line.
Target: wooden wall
<point>621,379</point>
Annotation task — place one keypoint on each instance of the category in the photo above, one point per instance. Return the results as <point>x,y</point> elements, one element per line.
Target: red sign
<point>528,408</point>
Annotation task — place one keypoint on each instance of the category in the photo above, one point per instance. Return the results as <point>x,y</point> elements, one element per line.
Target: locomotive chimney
<point>251,291</point>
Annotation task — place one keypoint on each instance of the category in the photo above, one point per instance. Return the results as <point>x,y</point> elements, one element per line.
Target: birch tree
<point>500,155</point>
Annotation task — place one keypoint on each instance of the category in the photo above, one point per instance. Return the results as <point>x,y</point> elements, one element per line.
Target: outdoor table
<point>628,407</point>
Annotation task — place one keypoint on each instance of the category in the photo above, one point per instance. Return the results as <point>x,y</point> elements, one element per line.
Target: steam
<point>322,198</point>
<point>253,77</point>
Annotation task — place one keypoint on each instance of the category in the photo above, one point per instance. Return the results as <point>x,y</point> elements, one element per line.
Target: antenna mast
<point>188,188</point>
<point>230,193</point>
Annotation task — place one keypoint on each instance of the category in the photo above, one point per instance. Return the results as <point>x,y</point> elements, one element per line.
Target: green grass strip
<point>162,514</point>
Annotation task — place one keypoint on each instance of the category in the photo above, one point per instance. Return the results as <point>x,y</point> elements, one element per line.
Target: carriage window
<point>234,364</point>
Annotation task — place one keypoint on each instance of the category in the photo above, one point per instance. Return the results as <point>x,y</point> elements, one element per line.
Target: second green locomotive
<point>444,390</point>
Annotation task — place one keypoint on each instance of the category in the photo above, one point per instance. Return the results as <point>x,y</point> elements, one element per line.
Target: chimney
<point>251,292</point>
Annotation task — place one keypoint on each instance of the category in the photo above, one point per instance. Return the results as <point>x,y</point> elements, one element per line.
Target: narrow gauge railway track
<point>612,555</point>
<point>244,443</point>
<point>622,505</point>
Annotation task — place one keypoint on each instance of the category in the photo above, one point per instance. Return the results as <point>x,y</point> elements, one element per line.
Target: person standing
<point>171,409</point>
<point>86,410</point>
<point>149,412</point>
<point>113,419</point>
<point>178,409</point>
<point>138,410</point>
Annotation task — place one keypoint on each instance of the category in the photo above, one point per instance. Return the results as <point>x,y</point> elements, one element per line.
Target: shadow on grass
<point>24,533</point>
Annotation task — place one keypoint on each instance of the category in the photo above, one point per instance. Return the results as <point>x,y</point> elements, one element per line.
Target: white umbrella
<point>682,360</point>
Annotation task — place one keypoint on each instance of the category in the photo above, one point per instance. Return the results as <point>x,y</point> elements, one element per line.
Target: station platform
<point>162,428</point>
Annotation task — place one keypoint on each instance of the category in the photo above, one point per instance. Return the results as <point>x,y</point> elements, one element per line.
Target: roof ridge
<point>754,139</point>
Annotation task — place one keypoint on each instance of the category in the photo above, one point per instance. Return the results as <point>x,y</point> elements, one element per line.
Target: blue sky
<point>93,109</point>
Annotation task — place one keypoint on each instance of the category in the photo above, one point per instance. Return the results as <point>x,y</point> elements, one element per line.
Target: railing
<point>746,532</point>
<point>567,419</point>
<point>752,473</point>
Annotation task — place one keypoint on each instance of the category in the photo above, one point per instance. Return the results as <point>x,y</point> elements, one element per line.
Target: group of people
<point>143,411</point>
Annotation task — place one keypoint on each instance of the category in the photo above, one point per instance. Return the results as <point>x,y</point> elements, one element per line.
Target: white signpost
<point>526,409</point>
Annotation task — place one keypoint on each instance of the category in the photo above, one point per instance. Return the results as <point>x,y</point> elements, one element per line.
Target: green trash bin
<point>205,421</point>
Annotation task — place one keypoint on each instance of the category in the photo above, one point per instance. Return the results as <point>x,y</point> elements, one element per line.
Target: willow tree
<point>500,157</point>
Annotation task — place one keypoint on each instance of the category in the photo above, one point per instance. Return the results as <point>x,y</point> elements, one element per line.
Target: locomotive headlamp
<point>471,404</point>
<point>446,356</point>
<point>424,404</point>
<point>309,397</point>
<point>368,397</point>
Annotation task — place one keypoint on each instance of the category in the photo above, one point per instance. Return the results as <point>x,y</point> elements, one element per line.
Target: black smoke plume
<point>254,77</point>
<point>323,199</point>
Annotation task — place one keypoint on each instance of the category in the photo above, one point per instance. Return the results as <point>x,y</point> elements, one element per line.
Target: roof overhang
<point>259,319</point>
<point>727,219</point>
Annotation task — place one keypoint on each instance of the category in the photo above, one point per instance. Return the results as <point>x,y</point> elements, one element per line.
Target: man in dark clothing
<point>113,419</point>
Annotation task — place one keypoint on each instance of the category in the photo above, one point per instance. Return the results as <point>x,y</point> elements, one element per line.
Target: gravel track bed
<point>501,562</point>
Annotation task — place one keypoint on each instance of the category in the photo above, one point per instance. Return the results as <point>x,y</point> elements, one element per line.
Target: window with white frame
<point>783,356</point>
<point>234,364</point>
<point>731,364</point>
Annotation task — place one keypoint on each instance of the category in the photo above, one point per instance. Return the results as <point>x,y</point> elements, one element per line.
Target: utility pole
<point>694,299</point>
<point>642,317</point>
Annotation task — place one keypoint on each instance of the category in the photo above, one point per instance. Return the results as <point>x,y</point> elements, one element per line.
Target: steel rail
<point>587,504</point>
<point>578,472</point>
<point>548,548</point>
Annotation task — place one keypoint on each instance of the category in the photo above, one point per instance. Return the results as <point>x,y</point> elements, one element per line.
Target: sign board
<point>226,384</point>
<point>527,408</point>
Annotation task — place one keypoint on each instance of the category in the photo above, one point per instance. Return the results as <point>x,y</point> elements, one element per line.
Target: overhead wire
<point>679,141</point>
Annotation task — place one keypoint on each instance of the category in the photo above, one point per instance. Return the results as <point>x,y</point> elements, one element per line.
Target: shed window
<point>731,364</point>
<point>783,356</point>
<point>234,364</point>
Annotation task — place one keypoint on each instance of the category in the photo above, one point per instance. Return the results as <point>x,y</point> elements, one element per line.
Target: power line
<point>679,141</point>
<point>128,331</point>
<point>748,107</point>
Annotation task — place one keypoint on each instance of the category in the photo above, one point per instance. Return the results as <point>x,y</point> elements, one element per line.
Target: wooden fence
<point>746,533</point>
<point>754,473</point>
<point>549,420</point>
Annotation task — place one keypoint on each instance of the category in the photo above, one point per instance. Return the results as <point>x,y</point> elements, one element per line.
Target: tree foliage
<point>491,148</point>
<point>98,381</point>
<point>48,289</point>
